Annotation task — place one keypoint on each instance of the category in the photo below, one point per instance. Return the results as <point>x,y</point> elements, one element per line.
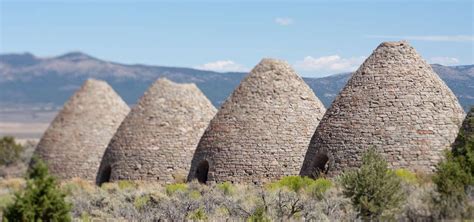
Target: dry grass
<point>12,184</point>
<point>146,201</point>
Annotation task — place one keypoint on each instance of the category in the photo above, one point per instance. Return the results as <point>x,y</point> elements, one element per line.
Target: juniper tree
<point>374,189</point>
<point>41,200</point>
<point>10,151</point>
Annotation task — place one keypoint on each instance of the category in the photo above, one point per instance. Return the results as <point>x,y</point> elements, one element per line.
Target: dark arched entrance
<point>104,176</point>
<point>320,165</point>
<point>202,170</point>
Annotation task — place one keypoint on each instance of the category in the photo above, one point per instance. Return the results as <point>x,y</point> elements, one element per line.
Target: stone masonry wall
<point>156,141</point>
<point>262,131</point>
<point>75,141</point>
<point>395,103</point>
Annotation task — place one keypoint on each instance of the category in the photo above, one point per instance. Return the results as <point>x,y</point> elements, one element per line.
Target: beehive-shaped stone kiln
<point>395,103</point>
<point>75,141</point>
<point>262,131</point>
<point>157,139</point>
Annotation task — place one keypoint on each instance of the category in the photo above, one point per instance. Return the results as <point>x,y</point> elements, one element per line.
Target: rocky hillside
<point>26,79</point>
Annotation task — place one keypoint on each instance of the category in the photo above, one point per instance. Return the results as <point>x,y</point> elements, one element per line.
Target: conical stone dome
<point>395,103</point>
<point>75,141</point>
<point>157,139</point>
<point>262,131</point>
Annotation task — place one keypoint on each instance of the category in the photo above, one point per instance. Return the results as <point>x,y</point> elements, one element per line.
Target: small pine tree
<point>41,200</point>
<point>10,151</point>
<point>374,189</point>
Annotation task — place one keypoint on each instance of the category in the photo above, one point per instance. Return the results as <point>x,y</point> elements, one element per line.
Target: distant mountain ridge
<point>27,79</point>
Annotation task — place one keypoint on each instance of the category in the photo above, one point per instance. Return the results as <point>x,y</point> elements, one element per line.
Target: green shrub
<point>198,215</point>
<point>85,217</point>
<point>194,194</point>
<point>173,188</point>
<point>406,176</point>
<point>316,188</point>
<point>10,151</point>
<point>110,187</point>
<point>141,201</point>
<point>319,187</point>
<point>452,180</point>
<point>258,215</point>
<point>5,200</point>
<point>294,183</point>
<point>374,190</point>
<point>227,188</point>
<point>126,184</point>
<point>455,174</point>
<point>41,200</point>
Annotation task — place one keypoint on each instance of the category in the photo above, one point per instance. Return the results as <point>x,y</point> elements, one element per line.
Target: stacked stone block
<point>262,131</point>
<point>157,139</point>
<point>75,141</point>
<point>394,103</point>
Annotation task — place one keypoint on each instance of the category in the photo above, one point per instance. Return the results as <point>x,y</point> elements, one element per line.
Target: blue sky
<point>317,37</point>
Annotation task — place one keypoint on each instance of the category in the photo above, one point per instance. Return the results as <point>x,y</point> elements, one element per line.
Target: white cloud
<point>329,64</point>
<point>444,60</point>
<point>223,66</point>
<point>432,38</point>
<point>284,21</point>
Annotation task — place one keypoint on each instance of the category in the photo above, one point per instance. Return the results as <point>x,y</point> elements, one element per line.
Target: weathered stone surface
<point>157,139</point>
<point>262,131</point>
<point>395,103</point>
<point>75,141</point>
